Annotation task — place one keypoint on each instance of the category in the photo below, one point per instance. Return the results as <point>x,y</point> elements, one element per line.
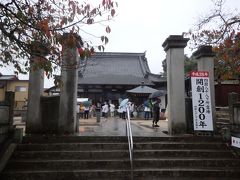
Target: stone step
<point>72,146</point>
<point>185,162</point>
<point>183,153</point>
<point>186,173</point>
<point>115,146</point>
<point>121,163</point>
<point>88,174</point>
<point>91,154</point>
<point>179,139</point>
<point>108,139</point>
<point>72,139</point>
<point>179,145</point>
<point>113,154</point>
<point>223,120</point>
<point>139,174</point>
<point>104,158</point>
<point>38,165</point>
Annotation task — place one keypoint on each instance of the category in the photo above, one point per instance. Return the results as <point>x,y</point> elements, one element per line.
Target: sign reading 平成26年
<point>201,101</point>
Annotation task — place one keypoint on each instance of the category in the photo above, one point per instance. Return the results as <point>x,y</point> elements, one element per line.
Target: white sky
<point>143,25</point>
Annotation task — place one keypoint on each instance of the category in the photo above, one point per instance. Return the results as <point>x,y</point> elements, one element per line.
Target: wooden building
<point>222,90</point>
<point>13,84</point>
<point>109,75</point>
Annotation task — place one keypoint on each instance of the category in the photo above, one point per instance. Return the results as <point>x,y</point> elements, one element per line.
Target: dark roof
<point>8,77</point>
<point>118,69</point>
<point>142,90</point>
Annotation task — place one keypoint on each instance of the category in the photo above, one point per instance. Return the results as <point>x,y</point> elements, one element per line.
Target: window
<point>20,89</point>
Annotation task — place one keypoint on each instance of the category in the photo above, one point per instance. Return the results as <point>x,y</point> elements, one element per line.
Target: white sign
<point>201,101</point>
<point>236,142</point>
<point>82,99</point>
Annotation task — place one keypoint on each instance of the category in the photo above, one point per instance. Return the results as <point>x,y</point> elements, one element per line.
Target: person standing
<point>131,108</point>
<point>156,111</point>
<point>146,112</point>
<point>112,109</point>
<point>120,111</point>
<point>86,112</point>
<point>78,117</point>
<point>105,110</point>
<point>124,112</point>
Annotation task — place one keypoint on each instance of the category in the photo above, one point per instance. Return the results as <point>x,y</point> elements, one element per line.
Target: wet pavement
<point>114,126</point>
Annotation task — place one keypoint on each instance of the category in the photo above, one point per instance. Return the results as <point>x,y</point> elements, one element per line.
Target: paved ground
<point>117,127</point>
<point>113,126</point>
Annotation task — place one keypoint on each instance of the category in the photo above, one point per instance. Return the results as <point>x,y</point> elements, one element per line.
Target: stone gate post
<point>174,46</point>
<point>68,95</point>
<point>232,99</point>
<point>205,62</point>
<point>35,91</point>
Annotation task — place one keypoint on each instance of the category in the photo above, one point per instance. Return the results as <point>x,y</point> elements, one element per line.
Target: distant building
<point>222,89</point>
<point>12,83</point>
<point>109,75</point>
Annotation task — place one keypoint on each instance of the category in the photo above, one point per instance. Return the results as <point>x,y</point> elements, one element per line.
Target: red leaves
<point>113,12</point>
<point>104,39</point>
<point>228,52</point>
<point>228,42</point>
<point>43,25</point>
<point>103,2</point>
<point>108,30</point>
<point>85,53</point>
<point>47,21</point>
<point>90,21</point>
<point>80,51</point>
<point>101,48</point>
<point>92,50</point>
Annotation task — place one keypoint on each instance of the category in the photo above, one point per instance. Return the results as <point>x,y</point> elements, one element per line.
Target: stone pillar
<point>35,91</point>
<point>174,46</point>
<point>9,100</point>
<point>68,95</point>
<point>232,99</point>
<point>205,62</point>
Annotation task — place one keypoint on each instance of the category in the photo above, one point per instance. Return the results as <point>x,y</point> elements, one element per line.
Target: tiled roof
<point>8,77</point>
<point>142,90</point>
<point>117,68</point>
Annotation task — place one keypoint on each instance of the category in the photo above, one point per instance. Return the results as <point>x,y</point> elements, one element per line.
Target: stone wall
<point>4,122</point>
<point>50,114</point>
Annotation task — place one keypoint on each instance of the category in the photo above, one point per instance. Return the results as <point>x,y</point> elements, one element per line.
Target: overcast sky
<point>143,25</point>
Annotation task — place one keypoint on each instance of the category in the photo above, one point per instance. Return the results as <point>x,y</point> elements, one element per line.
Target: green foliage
<point>190,64</point>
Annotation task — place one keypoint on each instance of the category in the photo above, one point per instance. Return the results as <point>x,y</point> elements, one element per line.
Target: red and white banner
<point>201,101</point>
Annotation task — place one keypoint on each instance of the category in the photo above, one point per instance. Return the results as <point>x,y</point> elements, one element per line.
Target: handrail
<point>130,139</point>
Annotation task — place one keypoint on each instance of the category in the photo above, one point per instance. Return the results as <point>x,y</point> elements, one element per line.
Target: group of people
<point>122,110</point>
<point>83,111</point>
<point>108,109</point>
<point>153,108</point>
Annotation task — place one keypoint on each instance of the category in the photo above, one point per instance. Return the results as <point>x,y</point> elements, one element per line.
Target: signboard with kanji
<point>235,141</point>
<point>201,101</point>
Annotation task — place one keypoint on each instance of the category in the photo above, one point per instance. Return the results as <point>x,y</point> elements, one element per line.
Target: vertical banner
<point>201,101</point>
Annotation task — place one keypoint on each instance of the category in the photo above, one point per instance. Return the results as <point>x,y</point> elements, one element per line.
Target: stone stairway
<point>222,118</point>
<point>184,157</point>
<point>58,158</point>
